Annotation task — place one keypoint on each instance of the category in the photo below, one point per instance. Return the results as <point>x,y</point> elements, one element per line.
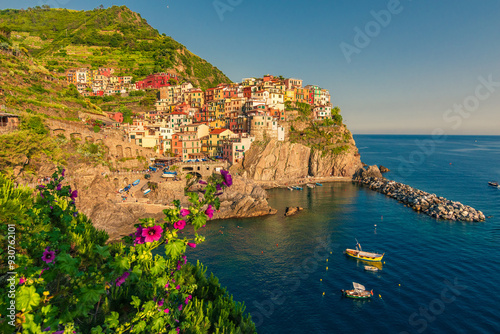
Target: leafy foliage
<point>72,280</point>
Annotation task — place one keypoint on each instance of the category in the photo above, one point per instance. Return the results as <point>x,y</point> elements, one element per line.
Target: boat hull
<point>365,256</point>
<point>356,295</point>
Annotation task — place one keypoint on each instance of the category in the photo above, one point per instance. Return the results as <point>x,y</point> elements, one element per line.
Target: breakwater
<point>421,201</point>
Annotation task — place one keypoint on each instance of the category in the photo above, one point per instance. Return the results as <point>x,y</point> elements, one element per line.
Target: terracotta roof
<point>217,131</point>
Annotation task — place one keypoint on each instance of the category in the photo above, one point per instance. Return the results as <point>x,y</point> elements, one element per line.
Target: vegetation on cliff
<point>69,279</point>
<point>113,37</point>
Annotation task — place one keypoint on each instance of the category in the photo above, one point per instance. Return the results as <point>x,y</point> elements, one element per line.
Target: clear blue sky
<point>405,78</point>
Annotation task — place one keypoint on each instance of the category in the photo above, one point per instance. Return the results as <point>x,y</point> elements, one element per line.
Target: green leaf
<point>103,251</point>
<point>199,221</point>
<point>122,262</point>
<point>91,296</point>
<point>193,197</point>
<point>27,298</point>
<point>96,330</point>
<point>159,265</point>
<point>112,320</point>
<point>139,328</point>
<point>158,324</point>
<point>67,264</point>
<point>216,203</point>
<point>136,302</point>
<point>174,248</point>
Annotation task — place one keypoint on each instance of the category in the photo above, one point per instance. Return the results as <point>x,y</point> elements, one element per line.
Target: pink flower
<point>74,194</point>
<point>180,307</point>
<point>59,186</point>
<point>202,182</point>
<point>180,224</point>
<point>48,256</point>
<point>185,212</point>
<point>166,310</point>
<point>43,271</point>
<point>152,233</point>
<point>22,280</point>
<point>178,287</point>
<point>192,244</point>
<point>209,211</point>
<point>160,303</point>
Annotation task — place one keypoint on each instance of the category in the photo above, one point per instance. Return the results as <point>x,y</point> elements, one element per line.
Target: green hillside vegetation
<point>70,278</point>
<point>114,37</point>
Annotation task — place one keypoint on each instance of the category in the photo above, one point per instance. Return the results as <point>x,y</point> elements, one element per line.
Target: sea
<point>436,276</point>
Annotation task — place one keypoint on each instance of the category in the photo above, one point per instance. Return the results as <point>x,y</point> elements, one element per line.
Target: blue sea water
<point>437,276</point>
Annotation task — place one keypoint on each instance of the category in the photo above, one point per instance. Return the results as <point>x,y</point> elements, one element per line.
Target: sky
<point>393,67</point>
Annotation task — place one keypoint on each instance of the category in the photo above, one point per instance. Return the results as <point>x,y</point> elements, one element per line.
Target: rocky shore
<point>420,201</point>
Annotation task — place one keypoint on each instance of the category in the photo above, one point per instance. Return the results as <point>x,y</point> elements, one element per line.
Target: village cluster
<point>220,122</point>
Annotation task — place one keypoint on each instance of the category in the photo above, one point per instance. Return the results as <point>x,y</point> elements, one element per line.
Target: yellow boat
<point>358,253</point>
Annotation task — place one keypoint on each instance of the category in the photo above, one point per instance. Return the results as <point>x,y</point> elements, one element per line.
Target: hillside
<point>114,37</point>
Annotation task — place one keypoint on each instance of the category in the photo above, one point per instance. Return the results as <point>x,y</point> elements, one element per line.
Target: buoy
<point>380,296</point>
<point>399,284</point>
<point>321,280</point>
<point>276,245</point>
<point>330,252</point>
<point>326,268</point>
<point>326,260</point>
<point>323,293</point>
<point>384,262</point>
<point>262,252</point>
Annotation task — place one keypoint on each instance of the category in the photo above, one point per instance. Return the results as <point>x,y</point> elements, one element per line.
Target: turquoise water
<point>438,276</point>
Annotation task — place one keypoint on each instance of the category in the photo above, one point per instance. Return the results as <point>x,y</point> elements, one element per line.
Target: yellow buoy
<point>380,296</point>
<point>399,284</point>
<point>326,260</point>
<point>330,252</point>
<point>323,293</point>
<point>321,280</point>
<point>326,268</point>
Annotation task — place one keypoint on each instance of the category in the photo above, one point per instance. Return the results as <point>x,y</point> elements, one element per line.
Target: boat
<point>310,185</point>
<point>493,184</point>
<point>371,268</point>
<point>147,191</point>
<point>297,188</point>
<point>169,174</point>
<point>120,191</point>
<point>319,184</point>
<point>127,188</point>
<point>358,253</point>
<point>136,182</point>
<point>359,292</point>
<point>290,188</point>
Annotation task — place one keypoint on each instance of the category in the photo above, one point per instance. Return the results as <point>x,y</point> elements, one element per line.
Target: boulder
<point>292,210</point>
<point>384,169</point>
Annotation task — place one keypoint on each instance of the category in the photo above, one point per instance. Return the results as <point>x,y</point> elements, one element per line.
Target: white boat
<point>147,191</point>
<point>290,188</point>
<point>371,268</point>
<point>310,185</point>
<point>359,292</point>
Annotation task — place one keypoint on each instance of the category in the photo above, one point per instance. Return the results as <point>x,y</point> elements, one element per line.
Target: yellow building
<point>215,139</point>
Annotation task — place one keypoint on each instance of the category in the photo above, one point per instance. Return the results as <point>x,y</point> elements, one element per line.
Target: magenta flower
<point>139,240</point>
<point>202,182</point>
<point>192,244</point>
<point>59,186</point>
<point>180,307</point>
<point>152,233</point>
<point>41,186</point>
<point>120,280</point>
<point>22,280</point>
<point>138,232</point>
<point>188,298</point>
<point>74,194</point>
<point>160,303</point>
<point>41,194</point>
<point>185,212</point>
<point>48,255</point>
<point>228,180</point>
<point>178,287</point>
<point>218,187</point>
<point>180,224</point>
<point>166,310</point>
<point>43,271</point>
<point>210,211</point>
<point>63,171</point>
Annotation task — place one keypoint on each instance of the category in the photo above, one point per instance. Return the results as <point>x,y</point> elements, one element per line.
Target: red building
<point>155,81</point>
<point>209,94</point>
<point>176,144</point>
<point>105,71</point>
<point>117,116</point>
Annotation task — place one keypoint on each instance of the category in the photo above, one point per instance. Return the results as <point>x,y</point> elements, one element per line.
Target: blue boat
<point>297,188</point>
<point>318,184</point>
<point>147,191</point>
<point>136,182</point>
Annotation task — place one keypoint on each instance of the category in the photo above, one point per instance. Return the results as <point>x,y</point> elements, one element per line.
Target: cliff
<point>99,201</point>
<point>287,161</point>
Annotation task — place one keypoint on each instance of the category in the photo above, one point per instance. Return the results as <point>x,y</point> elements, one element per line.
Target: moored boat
<point>297,188</point>
<point>136,182</point>
<point>493,184</point>
<point>310,185</point>
<point>358,253</point>
<point>290,188</point>
<point>147,191</point>
<point>359,292</point>
<point>371,268</point>
<point>319,184</point>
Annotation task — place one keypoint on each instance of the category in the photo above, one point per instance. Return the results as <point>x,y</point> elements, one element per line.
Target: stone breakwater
<point>421,201</point>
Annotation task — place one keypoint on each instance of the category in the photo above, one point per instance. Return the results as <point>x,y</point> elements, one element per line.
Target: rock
<point>373,171</point>
<point>292,210</point>
<point>384,169</point>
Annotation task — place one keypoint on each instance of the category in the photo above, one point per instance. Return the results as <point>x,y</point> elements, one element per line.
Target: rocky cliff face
<point>97,199</point>
<point>287,161</point>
